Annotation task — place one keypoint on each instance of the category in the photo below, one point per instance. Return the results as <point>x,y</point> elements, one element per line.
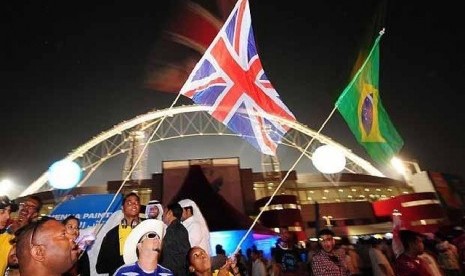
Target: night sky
<point>72,69</point>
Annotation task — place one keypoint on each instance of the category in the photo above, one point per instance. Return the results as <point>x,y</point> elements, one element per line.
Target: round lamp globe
<point>64,174</point>
<point>328,159</point>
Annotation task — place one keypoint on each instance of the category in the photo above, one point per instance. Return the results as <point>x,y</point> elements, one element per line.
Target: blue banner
<point>89,209</point>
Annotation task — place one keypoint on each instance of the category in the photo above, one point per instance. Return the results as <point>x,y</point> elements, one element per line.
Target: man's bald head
<point>43,248</point>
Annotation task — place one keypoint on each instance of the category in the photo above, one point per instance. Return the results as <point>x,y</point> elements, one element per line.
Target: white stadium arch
<point>181,122</point>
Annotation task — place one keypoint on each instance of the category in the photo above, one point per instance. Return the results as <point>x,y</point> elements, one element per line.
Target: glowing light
<point>230,239</point>
<point>5,186</point>
<point>398,165</point>
<point>328,159</point>
<point>64,174</point>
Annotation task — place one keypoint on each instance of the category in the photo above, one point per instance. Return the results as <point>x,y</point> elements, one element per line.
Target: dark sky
<point>72,69</point>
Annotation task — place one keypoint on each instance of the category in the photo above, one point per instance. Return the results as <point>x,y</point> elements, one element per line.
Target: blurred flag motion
<point>230,78</point>
<point>361,107</point>
<point>188,33</point>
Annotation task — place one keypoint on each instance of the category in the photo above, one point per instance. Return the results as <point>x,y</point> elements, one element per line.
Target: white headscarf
<point>156,203</point>
<point>198,217</point>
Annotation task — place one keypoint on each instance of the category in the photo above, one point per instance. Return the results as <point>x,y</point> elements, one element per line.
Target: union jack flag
<point>230,78</point>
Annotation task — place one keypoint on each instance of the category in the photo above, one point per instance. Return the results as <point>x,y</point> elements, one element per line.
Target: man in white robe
<point>193,220</point>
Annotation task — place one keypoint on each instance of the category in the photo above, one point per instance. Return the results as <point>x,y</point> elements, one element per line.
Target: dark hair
<point>345,241</point>
<point>326,231</point>
<point>219,250</point>
<point>189,208</point>
<point>440,235</point>
<point>68,218</point>
<point>176,209</point>
<point>128,195</point>
<point>5,202</point>
<point>189,253</point>
<point>256,251</point>
<point>408,236</point>
<point>188,261</point>
<point>374,241</point>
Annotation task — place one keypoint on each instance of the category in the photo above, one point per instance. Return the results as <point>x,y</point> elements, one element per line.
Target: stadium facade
<point>351,204</point>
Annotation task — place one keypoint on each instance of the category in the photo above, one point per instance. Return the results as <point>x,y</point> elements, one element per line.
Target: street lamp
<point>6,186</point>
<point>64,174</point>
<point>405,168</point>
<point>328,159</point>
<point>398,165</point>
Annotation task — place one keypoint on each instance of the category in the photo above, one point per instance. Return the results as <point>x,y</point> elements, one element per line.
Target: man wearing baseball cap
<point>6,208</point>
<point>142,250</point>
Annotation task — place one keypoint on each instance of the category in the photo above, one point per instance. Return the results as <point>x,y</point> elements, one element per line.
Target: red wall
<point>424,215</point>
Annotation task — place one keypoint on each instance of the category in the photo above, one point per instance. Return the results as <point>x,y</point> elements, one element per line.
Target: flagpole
<point>151,136</point>
<point>283,180</point>
<point>309,143</point>
<point>351,83</point>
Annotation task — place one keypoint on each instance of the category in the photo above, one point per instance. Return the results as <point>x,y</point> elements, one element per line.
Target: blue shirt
<point>134,270</point>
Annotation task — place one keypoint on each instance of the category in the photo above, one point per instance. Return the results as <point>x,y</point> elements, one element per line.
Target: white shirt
<point>377,257</point>
<point>258,268</point>
<point>197,235</point>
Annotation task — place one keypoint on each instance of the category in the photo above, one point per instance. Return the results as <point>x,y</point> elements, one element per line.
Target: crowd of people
<point>156,243</point>
<point>421,254</point>
<point>175,240</point>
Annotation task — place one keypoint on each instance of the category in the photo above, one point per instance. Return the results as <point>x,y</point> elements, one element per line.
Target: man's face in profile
<point>186,213</point>
<point>61,251</point>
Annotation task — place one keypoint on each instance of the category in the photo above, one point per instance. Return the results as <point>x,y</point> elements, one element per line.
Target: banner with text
<point>89,209</point>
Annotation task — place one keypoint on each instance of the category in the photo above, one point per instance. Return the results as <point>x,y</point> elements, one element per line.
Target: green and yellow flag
<point>361,107</point>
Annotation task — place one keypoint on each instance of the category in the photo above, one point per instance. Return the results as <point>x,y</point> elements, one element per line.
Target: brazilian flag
<point>361,107</point>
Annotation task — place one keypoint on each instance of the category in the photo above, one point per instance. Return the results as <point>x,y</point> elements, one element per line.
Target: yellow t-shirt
<point>123,234</point>
<point>215,273</point>
<point>5,248</point>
